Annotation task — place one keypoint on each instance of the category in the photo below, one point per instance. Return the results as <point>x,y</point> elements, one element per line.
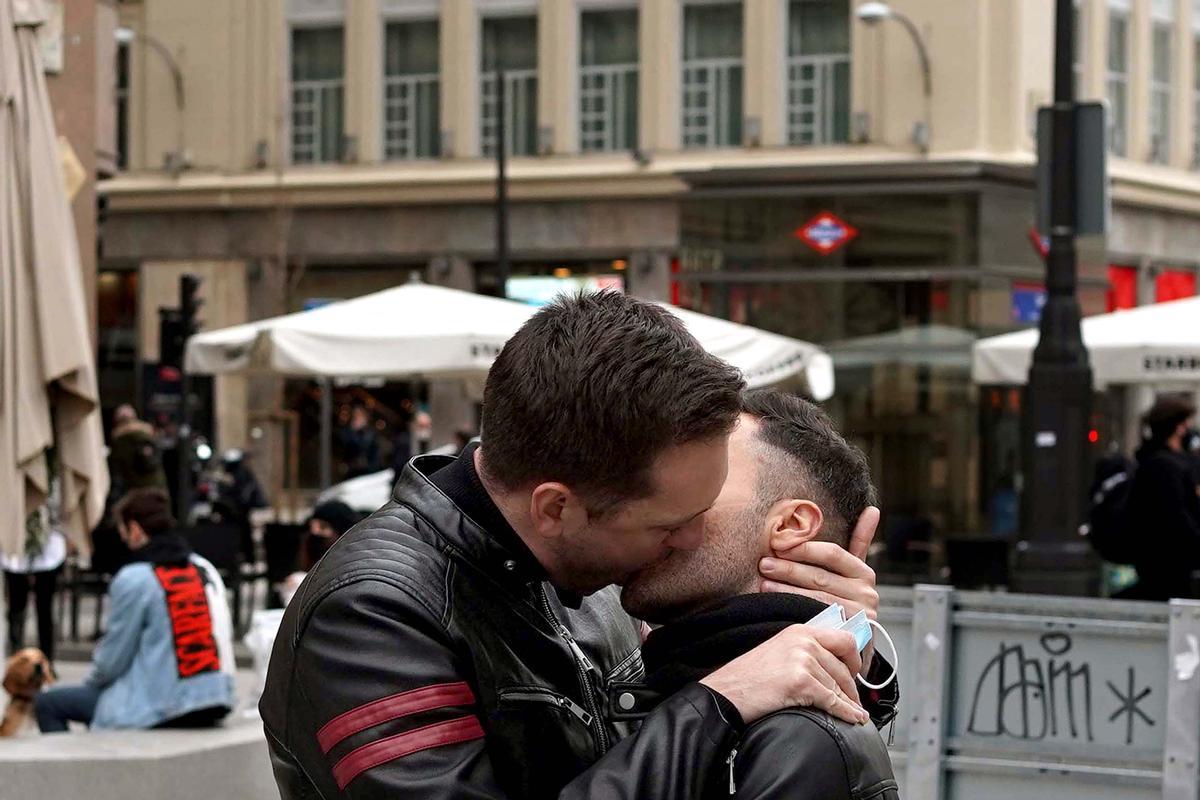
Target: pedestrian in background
<point>326,525</point>
<point>167,658</point>
<point>360,444</point>
<point>37,569</point>
<point>1164,508</point>
<point>134,460</point>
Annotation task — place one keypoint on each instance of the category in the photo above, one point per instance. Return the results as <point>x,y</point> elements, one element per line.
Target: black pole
<point>502,267</point>
<point>183,439</point>
<point>1058,396</point>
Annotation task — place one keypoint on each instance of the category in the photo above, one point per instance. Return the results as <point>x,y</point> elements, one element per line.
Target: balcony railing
<point>1196,129</point>
<point>1160,122</point>
<point>410,116</point>
<point>712,102</point>
<point>818,89</point>
<point>608,107</point>
<point>520,109</point>
<point>1118,95</point>
<point>316,120</point>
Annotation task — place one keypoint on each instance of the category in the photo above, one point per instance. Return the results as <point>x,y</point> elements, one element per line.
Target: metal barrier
<point>1029,696</point>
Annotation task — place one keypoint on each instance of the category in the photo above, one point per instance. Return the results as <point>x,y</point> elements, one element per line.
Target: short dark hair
<point>806,458</point>
<point>1167,413</point>
<point>148,507</point>
<point>592,389</point>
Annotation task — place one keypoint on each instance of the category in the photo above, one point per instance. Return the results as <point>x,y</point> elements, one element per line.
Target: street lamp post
<point>502,265</point>
<point>177,160</point>
<point>874,13</point>
<point>1058,396</point>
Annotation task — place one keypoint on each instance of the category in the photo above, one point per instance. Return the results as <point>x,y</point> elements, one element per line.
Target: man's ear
<point>792,523</point>
<point>554,510</point>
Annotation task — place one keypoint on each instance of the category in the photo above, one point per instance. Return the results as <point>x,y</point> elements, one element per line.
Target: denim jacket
<point>136,665</point>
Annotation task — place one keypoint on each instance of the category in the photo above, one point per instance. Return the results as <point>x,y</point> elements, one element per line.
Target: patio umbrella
<point>1155,344</point>
<point>48,392</point>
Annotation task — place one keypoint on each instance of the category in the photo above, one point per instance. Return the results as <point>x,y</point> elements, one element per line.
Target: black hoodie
<point>1164,515</point>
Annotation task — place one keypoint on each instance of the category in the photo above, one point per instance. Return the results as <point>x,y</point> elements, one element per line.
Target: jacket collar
<point>691,647</point>
<point>502,556</point>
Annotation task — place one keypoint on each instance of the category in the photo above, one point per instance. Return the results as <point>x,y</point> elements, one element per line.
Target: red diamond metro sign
<point>825,233</point>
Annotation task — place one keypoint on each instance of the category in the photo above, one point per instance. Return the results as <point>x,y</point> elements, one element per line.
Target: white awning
<point>1150,344</point>
<point>429,332</point>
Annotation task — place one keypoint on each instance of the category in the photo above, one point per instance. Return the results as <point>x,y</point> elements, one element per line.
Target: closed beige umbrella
<point>47,372</point>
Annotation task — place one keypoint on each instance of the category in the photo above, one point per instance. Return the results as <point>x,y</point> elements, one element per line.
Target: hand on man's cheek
<point>826,572</point>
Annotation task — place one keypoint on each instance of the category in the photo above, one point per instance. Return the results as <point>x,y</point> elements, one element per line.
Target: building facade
<point>689,147</point>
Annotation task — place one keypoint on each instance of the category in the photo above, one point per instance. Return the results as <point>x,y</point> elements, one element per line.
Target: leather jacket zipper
<point>729,761</point>
<point>583,666</point>
<point>545,696</point>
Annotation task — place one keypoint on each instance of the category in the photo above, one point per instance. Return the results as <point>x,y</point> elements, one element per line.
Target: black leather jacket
<point>795,754</point>
<point>420,659</point>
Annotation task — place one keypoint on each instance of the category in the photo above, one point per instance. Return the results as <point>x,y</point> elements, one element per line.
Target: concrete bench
<point>229,762</point>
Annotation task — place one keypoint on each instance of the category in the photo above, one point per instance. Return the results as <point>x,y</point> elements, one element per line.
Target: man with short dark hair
<point>461,641</point>
<point>793,480</point>
<point>786,462</point>
<point>166,660</point>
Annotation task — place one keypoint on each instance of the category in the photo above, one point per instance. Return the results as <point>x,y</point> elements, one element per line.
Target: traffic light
<point>171,337</point>
<point>189,304</point>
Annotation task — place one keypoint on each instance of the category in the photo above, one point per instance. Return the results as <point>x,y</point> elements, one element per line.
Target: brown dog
<point>24,676</point>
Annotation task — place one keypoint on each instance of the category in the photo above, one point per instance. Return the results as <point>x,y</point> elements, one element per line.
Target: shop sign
<point>701,259</point>
<point>826,232</point>
<point>1028,300</point>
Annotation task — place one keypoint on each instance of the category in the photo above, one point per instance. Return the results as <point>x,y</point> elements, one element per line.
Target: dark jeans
<point>17,586</point>
<point>58,705</point>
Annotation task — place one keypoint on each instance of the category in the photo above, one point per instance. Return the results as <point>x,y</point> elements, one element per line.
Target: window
<point>712,75</point>
<point>608,80</point>
<point>122,105</point>
<point>1118,78</point>
<point>317,77</point>
<point>818,110</point>
<point>1196,97</point>
<point>411,118</point>
<point>1160,81</point>
<point>1079,32</point>
<point>510,44</point>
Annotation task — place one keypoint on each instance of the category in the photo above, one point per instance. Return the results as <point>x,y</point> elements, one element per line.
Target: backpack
<point>1106,528</point>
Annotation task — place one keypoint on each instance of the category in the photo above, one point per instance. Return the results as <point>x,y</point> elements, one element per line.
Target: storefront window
<point>896,309</point>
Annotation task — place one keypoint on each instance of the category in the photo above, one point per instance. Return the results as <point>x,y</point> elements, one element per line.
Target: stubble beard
<point>724,566</point>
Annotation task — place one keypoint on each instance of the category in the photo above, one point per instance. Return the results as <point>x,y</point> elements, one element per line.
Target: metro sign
<point>825,233</point>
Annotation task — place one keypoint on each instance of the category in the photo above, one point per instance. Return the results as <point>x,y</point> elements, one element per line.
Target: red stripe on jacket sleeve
<point>463,729</point>
<point>387,709</point>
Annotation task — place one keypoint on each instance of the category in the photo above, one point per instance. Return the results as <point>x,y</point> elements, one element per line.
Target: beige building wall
<point>232,57</point>
<point>991,67</point>
<point>558,74</point>
<point>459,32</point>
<point>765,52</point>
<point>364,78</point>
<point>659,76</point>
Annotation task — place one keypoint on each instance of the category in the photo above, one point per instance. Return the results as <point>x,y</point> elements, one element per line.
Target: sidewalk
<point>229,762</point>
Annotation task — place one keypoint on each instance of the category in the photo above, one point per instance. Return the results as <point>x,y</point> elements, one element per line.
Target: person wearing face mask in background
<point>1164,504</point>
<point>326,525</point>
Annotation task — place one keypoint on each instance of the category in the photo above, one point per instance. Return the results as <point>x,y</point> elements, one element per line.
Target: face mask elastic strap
<point>895,660</point>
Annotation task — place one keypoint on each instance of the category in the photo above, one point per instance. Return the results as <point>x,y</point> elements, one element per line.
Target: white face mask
<point>895,660</point>
<point>860,626</point>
